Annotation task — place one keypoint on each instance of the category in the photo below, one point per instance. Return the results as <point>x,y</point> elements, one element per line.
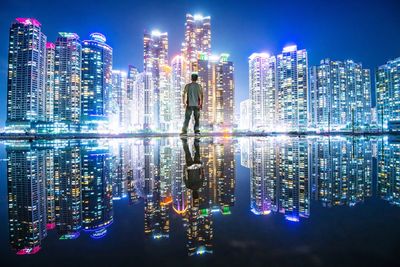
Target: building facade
<point>26,82</point>
<point>96,82</point>
<point>263,91</point>
<point>388,95</point>
<point>155,46</point>
<point>216,78</point>
<point>339,96</point>
<point>197,39</point>
<point>292,87</point>
<point>67,82</point>
<point>49,94</point>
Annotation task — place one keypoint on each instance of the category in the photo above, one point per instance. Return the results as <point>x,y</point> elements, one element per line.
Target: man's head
<point>194,77</point>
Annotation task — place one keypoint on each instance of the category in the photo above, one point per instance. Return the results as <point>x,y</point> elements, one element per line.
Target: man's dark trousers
<point>188,114</point>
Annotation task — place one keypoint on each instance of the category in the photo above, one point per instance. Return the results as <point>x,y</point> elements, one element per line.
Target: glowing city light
<point>29,251</point>
<point>98,37</point>
<point>289,48</point>
<point>29,21</point>
<point>69,35</point>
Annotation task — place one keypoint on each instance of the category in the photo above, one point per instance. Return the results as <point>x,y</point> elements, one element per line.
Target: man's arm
<point>184,96</point>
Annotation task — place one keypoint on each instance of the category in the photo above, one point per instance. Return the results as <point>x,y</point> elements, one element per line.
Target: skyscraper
<point>217,80</point>
<point>67,76</point>
<point>179,78</point>
<point>49,94</point>
<point>26,75</point>
<point>245,115</point>
<point>197,39</point>
<point>292,87</point>
<point>339,96</point>
<point>135,106</point>
<point>96,81</point>
<point>387,95</point>
<point>263,92</point>
<point>117,100</point>
<point>155,46</point>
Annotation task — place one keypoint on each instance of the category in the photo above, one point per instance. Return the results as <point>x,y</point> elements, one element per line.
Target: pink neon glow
<point>50,226</point>
<point>28,251</point>
<point>29,21</point>
<point>50,45</point>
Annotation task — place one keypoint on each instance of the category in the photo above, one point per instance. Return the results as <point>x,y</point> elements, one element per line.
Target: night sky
<point>366,31</point>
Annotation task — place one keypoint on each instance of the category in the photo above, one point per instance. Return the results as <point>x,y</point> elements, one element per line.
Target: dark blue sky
<point>366,31</point>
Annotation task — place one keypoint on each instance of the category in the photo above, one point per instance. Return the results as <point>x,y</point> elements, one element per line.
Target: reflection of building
<point>67,186</point>
<point>97,212</point>
<point>156,216</point>
<point>26,74</point>
<point>279,177</point>
<point>96,81</point>
<point>286,173</point>
<point>389,171</point>
<point>26,198</point>
<point>341,170</point>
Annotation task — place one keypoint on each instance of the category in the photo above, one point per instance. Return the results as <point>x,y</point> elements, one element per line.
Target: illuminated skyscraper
<point>26,198</point>
<point>117,100</point>
<point>96,81</point>
<point>197,39</point>
<point>292,87</point>
<point>387,94</point>
<point>263,92</point>
<point>166,98</point>
<point>67,85</point>
<point>339,96</point>
<point>245,115</point>
<point>26,75</point>
<point>155,46</point>
<point>217,80</point>
<point>49,94</point>
<point>135,102</point>
<point>179,79</point>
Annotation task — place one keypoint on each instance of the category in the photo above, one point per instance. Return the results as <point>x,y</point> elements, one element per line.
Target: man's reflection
<point>198,221</point>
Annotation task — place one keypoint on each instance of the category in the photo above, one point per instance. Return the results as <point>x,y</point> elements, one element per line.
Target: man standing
<point>193,103</point>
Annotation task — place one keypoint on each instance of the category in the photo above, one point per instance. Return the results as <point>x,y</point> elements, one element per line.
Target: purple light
<point>292,218</point>
<point>28,251</point>
<point>29,21</point>
<point>99,234</point>
<point>50,45</point>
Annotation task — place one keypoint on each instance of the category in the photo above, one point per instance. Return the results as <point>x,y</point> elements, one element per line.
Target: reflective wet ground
<point>259,201</point>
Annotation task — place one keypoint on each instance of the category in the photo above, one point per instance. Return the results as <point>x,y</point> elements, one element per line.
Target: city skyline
<point>223,33</point>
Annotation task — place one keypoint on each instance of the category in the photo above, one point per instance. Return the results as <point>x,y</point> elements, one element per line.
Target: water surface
<point>250,201</point>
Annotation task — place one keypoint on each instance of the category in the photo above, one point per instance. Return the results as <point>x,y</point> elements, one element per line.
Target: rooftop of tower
<point>29,21</point>
<point>69,35</point>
